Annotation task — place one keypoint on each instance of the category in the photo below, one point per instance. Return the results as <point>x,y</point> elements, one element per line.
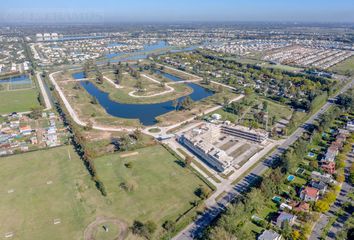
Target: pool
<point>310,154</point>
<point>290,178</point>
<point>276,199</point>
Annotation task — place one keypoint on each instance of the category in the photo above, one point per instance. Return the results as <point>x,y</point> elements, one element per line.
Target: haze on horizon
<point>64,11</point>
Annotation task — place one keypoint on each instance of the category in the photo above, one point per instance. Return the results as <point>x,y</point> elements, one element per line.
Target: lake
<point>146,113</point>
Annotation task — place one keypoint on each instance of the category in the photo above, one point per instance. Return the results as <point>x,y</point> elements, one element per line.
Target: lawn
<point>18,101</point>
<point>346,67</point>
<point>162,188</point>
<point>43,186</point>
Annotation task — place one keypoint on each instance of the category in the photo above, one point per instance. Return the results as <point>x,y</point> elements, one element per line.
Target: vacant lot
<point>161,189</point>
<point>43,187</point>
<point>346,67</point>
<point>18,101</point>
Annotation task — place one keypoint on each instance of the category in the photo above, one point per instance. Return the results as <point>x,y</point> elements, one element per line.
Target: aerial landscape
<point>181,120</point>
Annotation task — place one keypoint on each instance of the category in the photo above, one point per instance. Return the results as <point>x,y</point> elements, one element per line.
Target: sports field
<point>18,100</point>
<point>49,195</point>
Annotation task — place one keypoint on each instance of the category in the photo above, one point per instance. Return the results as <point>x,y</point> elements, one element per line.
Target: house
<point>285,217</point>
<point>25,130</point>
<point>350,126</point>
<point>326,178</point>
<point>329,167</point>
<point>309,194</point>
<point>302,207</point>
<point>319,185</point>
<point>269,235</point>
<point>284,205</point>
<point>331,153</point>
<point>34,140</point>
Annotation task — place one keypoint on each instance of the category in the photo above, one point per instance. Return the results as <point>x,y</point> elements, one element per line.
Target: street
<point>194,229</point>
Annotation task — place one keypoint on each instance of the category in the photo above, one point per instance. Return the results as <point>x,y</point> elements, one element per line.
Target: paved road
<point>48,103</point>
<point>341,198</point>
<point>194,229</point>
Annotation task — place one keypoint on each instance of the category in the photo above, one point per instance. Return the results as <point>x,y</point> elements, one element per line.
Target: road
<point>47,102</point>
<point>73,114</point>
<point>341,198</point>
<point>194,229</point>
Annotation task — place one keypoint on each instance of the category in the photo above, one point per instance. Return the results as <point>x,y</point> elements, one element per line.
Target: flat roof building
<point>255,135</point>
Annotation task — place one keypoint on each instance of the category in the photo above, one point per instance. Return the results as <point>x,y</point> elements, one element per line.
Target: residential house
<point>269,235</point>
<point>329,167</point>
<point>309,194</point>
<point>302,207</point>
<point>319,185</point>
<point>25,130</point>
<point>350,126</point>
<point>326,178</point>
<point>285,217</point>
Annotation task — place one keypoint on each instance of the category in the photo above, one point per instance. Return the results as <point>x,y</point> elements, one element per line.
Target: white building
<point>255,135</point>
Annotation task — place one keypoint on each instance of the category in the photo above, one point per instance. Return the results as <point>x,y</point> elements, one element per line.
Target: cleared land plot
<point>241,150</point>
<point>156,175</point>
<point>228,145</point>
<point>18,101</point>
<point>162,189</point>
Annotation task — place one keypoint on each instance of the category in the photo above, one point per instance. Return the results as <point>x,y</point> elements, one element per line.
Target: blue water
<point>16,80</point>
<point>146,113</point>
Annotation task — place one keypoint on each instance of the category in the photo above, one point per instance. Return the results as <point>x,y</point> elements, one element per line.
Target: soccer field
<point>18,100</point>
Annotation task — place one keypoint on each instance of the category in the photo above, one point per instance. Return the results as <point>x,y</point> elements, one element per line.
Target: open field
<point>162,188</point>
<point>18,101</point>
<point>46,185</point>
<point>345,68</point>
<point>34,199</point>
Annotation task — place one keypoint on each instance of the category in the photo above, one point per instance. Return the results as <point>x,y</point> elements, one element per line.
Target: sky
<point>176,10</point>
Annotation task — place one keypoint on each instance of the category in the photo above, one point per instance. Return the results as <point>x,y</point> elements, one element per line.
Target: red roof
<point>310,191</point>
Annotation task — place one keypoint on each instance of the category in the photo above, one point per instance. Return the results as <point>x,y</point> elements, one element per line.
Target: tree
<point>139,85</point>
<point>287,231</point>
<point>226,100</point>
<point>248,91</point>
<point>188,161</point>
<point>144,230</point>
<point>169,225</point>
<point>202,192</point>
<point>175,104</point>
<point>321,206</point>
<point>186,103</point>
<point>221,233</point>
<point>99,77</point>
<point>36,113</point>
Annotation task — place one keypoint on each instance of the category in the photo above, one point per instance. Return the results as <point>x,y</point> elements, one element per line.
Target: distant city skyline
<point>176,11</point>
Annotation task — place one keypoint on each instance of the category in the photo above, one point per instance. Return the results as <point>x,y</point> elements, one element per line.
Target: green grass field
<point>163,189</point>
<point>30,210</point>
<point>29,205</point>
<point>345,68</point>
<point>18,101</point>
